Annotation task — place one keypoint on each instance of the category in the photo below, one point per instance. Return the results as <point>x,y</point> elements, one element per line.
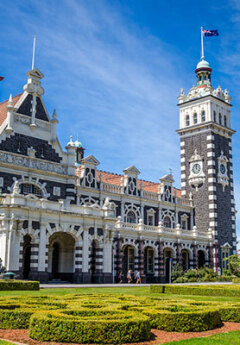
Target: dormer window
<point>167,222</point>
<point>203,116</point>
<point>187,120</point>
<point>131,217</point>
<point>28,188</point>
<point>195,118</point>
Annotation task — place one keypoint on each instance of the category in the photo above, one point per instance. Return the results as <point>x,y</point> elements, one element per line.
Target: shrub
<point>54,326</point>
<point>177,272</point>
<point>236,280</point>
<point>189,321</point>
<point>233,264</point>
<point>12,285</point>
<point>197,290</point>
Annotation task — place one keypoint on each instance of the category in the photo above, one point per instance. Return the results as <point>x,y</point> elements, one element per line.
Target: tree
<point>233,264</point>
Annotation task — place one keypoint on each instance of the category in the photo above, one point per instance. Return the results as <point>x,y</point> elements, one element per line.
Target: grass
<point>137,291</point>
<point>2,342</point>
<point>231,338</point>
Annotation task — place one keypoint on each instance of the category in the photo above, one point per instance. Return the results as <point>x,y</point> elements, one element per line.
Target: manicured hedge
<point>201,290</point>
<point>236,280</point>
<point>12,285</point>
<point>53,326</point>
<point>194,321</point>
<point>110,319</point>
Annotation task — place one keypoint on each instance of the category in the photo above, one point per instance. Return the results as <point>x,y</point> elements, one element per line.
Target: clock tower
<point>206,160</point>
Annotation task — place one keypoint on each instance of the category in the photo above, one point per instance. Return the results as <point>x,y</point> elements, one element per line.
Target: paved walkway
<point>74,286</point>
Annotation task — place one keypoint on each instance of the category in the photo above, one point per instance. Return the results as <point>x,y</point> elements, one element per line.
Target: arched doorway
<point>201,258</point>
<point>55,260</point>
<point>128,260</point>
<point>149,264</point>
<point>185,260</point>
<point>61,256</point>
<point>26,256</point>
<point>168,256</point>
<point>93,261</point>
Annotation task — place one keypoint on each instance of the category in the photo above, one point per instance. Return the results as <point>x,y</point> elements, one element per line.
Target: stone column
<point>195,255</point>
<point>179,254</point>
<point>119,257</point>
<point>78,256</point>
<point>34,259</point>
<point>161,277</point>
<point>210,255</point>
<point>108,261</point>
<point>85,258</point>
<point>43,254</point>
<point>141,259</point>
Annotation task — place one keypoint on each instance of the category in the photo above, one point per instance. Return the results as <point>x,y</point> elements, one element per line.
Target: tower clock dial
<point>196,168</point>
<point>222,168</point>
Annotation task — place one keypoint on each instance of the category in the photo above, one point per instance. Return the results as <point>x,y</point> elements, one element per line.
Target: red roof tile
<point>3,108</point>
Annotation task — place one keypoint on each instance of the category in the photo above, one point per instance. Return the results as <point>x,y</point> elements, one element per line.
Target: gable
<point>26,106</point>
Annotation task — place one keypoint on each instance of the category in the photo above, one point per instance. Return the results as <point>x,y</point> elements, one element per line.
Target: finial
<point>54,115</point>
<point>10,100</point>
<point>33,55</point>
<point>170,171</point>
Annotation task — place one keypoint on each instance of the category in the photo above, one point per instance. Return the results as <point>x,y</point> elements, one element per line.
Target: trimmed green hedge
<point>110,319</point>
<point>54,326</point>
<point>236,280</point>
<point>200,290</point>
<point>12,285</point>
<point>197,321</point>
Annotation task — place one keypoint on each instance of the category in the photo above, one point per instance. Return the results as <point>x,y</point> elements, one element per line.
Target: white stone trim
<point>210,146</point>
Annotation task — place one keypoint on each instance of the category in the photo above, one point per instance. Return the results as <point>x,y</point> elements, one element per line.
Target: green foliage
<point>177,271</point>
<point>236,280</point>
<point>233,264</point>
<point>203,274</point>
<point>13,285</point>
<point>206,290</point>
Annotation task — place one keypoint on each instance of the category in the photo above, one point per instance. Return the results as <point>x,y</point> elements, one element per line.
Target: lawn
<point>231,338</point>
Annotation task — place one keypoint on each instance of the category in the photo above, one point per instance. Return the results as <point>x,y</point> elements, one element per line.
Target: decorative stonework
<point>31,162</point>
<point>222,171</point>
<point>197,176</point>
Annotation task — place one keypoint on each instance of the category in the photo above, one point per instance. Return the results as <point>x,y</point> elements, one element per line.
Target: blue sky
<point>113,70</point>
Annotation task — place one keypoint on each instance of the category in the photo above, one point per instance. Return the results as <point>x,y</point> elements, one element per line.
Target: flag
<point>1,78</point>
<point>210,33</point>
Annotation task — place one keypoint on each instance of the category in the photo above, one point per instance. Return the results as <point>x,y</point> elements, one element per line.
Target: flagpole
<point>202,57</point>
<point>33,56</point>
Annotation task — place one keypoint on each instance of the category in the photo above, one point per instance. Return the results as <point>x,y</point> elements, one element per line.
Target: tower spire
<point>33,55</point>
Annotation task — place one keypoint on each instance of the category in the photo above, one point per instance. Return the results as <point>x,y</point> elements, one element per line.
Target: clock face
<point>222,168</point>
<point>196,168</point>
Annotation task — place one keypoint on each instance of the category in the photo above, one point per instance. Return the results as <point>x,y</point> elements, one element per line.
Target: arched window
<point>195,118</point>
<point>187,120</point>
<point>225,121</point>
<point>214,116</point>
<point>203,116</point>
<point>167,222</point>
<point>28,188</point>
<point>220,119</point>
<point>131,217</point>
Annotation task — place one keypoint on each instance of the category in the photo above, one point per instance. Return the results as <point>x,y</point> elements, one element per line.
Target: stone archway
<point>128,260</point>
<point>26,256</point>
<point>61,256</point>
<point>201,259</point>
<point>149,264</point>
<point>185,259</point>
<point>168,256</point>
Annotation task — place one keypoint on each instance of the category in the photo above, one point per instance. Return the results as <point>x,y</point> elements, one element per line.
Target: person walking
<point>138,278</point>
<point>129,276</point>
<point>120,278</point>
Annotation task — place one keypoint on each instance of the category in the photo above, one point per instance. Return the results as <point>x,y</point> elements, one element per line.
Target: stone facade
<point>63,218</point>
